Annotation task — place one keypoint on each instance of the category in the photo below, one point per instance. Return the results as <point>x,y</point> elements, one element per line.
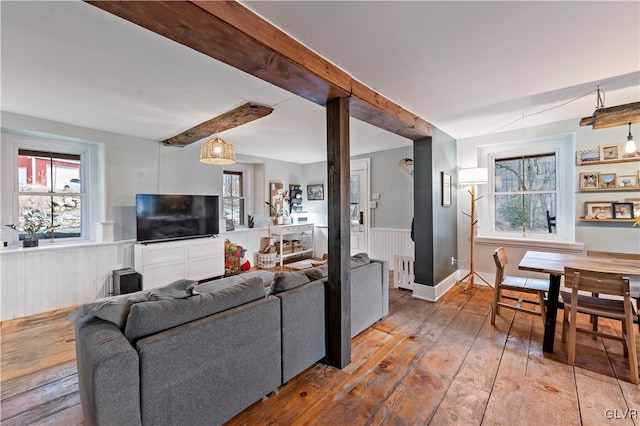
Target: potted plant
<point>276,213</point>
<point>250,220</point>
<point>32,224</point>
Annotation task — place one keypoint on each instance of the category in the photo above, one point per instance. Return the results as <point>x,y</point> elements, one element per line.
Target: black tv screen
<point>161,217</point>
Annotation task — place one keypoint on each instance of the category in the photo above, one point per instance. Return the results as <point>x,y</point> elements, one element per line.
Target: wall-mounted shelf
<point>582,219</point>
<point>621,160</point>
<point>617,188</point>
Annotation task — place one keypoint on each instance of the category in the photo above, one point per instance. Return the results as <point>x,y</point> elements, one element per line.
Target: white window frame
<point>247,188</point>
<point>89,154</point>
<point>563,147</point>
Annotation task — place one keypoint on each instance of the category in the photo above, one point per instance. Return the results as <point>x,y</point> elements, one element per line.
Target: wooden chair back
<point>500,257</point>
<point>596,282</point>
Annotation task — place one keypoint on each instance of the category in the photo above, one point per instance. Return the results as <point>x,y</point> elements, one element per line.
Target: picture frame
<point>609,152</point>
<point>315,192</point>
<point>623,210</point>
<point>636,205</point>
<point>607,180</point>
<point>589,180</point>
<point>599,209</point>
<point>587,156</point>
<point>627,181</point>
<point>445,186</point>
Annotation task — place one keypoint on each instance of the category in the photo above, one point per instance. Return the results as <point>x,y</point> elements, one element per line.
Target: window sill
<point>47,246</point>
<point>532,243</point>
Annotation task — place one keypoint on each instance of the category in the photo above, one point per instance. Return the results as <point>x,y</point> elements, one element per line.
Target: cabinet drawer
<point>206,248</point>
<point>293,229</point>
<point>164,253</point>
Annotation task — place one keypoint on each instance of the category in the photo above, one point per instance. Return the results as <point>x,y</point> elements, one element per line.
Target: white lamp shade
<point>473,176</point>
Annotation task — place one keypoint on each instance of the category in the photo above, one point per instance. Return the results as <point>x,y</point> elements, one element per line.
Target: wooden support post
<point>339,285</point>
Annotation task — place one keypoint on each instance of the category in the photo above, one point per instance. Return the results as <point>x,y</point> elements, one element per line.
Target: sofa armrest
<point>385,286</point>
<point>108,375</point>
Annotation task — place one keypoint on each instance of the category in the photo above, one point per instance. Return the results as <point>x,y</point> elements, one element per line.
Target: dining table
<point>554,264</point>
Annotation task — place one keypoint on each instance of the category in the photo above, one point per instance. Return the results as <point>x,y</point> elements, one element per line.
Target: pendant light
<point>630,147</point>
<point>217,151</point>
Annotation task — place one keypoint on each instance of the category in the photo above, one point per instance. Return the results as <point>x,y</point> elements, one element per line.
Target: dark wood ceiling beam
<point>232,34</point>
<point>236,117</point>
<point>620,115</point>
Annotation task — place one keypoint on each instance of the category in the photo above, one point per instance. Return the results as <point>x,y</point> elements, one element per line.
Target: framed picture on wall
<point>445,186</point>
<point>589,180</point>
<point>636,205</point>
<point>315,192</point>
<point>609,152</point>
<point>623,210</point>
<point>599,209</point>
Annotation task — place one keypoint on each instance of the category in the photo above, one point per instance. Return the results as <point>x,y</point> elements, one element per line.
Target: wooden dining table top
<point>554,263</point>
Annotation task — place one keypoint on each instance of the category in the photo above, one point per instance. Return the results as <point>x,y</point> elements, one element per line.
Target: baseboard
<point>433,293</point>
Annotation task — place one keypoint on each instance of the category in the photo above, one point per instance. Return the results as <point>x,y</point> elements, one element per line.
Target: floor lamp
<point>472,177</point>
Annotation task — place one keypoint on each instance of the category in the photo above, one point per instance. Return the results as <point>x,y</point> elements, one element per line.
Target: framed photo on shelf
<point>636,205</point>
<point>623,210</point>
<point>315,192</point>
<point>587,156</point>
<point>609,152</point>
<point>628,181</point>
<point>589,180</point>
<point>599,209</point>
<point>607,180</point>
<point>445,183</point>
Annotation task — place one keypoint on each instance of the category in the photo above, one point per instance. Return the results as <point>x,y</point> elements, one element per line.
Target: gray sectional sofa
<point>198,354</point>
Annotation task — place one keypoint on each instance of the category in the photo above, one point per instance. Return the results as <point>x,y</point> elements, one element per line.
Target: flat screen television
<point>162,217</point>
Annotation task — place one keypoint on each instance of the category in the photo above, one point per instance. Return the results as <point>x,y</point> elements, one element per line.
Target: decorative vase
<point>32,242</point>
<point>250,224</point>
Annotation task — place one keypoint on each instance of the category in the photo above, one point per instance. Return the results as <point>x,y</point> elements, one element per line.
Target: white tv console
<point>164,262</point>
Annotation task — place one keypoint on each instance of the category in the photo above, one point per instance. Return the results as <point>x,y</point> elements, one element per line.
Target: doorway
<point>359,212</point>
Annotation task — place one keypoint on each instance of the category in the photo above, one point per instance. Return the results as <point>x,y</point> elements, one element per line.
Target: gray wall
<point>435,225</point>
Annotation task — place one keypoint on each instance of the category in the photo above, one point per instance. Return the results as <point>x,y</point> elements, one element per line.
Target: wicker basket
<point>267,260</point>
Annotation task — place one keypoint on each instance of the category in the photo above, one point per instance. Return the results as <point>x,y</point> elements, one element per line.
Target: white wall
<point>602,237</point>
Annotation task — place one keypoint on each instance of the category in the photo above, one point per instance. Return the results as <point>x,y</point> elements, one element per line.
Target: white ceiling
<point>469,68</point>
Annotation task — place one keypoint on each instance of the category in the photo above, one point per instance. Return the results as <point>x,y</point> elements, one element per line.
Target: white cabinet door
<point>160,274</point>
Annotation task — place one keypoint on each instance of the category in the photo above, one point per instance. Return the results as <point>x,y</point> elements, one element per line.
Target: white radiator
<point>403,271</point>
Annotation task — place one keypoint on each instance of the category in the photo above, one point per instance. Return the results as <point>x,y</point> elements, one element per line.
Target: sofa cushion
<point>267,278</point>
<point>317,273</point>
<point>115,309</point>
<point>359,260</point>
<point>152,317</point>
<point>287,280</point>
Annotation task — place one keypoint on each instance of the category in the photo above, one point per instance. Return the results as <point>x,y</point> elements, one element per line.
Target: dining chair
<point>521,285</point>
<point>599,283</point>
<point>551,221</point>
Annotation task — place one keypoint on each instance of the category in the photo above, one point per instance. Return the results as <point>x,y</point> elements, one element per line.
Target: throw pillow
<point>215,285</point>
<point>317,273</point>
<point>115,309</point>
<point>359,260</point>
<point>287,280</point>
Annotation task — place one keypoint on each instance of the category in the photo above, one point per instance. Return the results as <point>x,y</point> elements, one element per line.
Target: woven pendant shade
<point>217,151</point>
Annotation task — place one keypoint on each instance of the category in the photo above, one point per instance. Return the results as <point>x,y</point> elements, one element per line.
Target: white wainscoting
<point>386,243</point>
<point>42,279</point>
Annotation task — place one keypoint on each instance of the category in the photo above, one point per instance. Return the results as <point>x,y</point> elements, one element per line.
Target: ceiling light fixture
<point>217,151</point>
<point>630,147</point>
<point>612,116</point>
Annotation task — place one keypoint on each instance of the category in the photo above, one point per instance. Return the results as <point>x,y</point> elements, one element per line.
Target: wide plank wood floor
<point>426,363</point>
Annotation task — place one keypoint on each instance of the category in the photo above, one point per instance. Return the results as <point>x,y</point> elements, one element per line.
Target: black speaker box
<point>126,281</point>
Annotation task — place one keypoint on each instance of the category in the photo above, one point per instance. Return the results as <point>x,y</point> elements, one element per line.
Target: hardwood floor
<point>426,363</point>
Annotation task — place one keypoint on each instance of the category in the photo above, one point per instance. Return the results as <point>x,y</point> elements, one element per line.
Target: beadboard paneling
<point>39,280</point>
<point>385,243</point>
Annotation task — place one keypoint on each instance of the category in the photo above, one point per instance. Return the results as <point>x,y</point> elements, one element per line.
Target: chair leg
<point>565,323</point>
<point>495,307</point>
<point>572,337</point>
<point>543,310</point>
<point>625,349</point>
<point>630,338</point>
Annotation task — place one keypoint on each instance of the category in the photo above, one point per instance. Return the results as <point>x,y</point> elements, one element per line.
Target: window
<point>526,179</point>
<point>58,176</point>
<point>233,196</point>
<point>525,193</point>
<point>50,182</point>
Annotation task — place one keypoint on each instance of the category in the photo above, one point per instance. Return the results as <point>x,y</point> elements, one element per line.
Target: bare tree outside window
<point>525,189</point>
<point>233,196</point>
